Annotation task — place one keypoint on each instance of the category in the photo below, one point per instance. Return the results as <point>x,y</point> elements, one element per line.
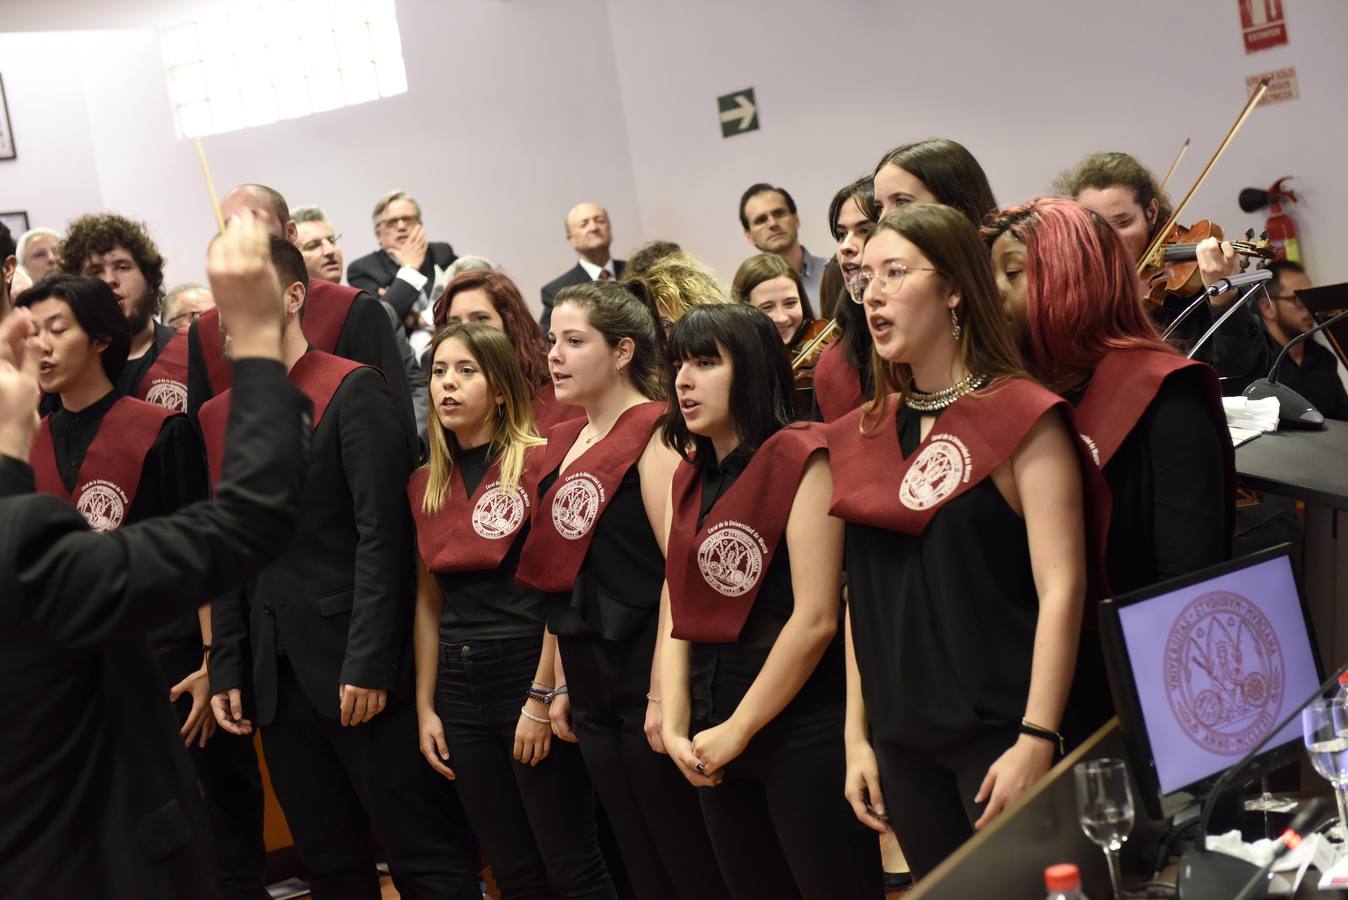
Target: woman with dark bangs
<point>1153,420</point>
<point>489,297</point>
<point>751,658</point>
<point>973,526</point>
<point>483,660</point>
<point>842,377</point>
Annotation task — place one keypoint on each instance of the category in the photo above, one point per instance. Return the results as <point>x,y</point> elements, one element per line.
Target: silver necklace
<point>939,400</point>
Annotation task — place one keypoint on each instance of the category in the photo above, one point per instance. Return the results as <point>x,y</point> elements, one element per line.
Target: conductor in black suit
<point>590,235</point>
<point>320,643</point>
<point>99,796</point>
<point>407,271</point>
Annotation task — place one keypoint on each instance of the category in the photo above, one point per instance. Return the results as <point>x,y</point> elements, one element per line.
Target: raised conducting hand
<point>246,288</point>
<point>19,391</point>
<point>413,252</point>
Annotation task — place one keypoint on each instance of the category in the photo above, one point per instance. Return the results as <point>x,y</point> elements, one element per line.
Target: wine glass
<point>1324,726</point>
<point>1105,808</point>
<point>1268,803</point>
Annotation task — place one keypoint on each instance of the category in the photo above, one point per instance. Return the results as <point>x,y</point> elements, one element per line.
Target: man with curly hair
<point>120,253</point>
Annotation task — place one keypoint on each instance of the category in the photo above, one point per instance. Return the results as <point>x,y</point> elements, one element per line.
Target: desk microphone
<point>1294,410</point>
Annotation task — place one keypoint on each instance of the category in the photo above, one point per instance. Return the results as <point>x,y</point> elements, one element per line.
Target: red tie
<point>604,275</point>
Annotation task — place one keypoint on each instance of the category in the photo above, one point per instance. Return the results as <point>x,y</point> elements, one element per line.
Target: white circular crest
<point>575,506</point>
<point>498,512</point>
<point>1090,445</point>
<point>933,476</point>
<point>730,561</point>
<point>103,505</point>
<point>168,394</point>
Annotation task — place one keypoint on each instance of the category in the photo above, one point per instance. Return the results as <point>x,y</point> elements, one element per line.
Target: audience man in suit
<point>407,271</point>
<point>323,259</point>
<point>768,214</point>
<point>590,235</point>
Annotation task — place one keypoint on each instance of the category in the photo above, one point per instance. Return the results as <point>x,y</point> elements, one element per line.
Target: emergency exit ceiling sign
<point>739,113</point>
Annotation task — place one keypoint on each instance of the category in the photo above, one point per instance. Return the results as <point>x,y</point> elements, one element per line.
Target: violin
<point>813,339</point>
<point>1172,265</point>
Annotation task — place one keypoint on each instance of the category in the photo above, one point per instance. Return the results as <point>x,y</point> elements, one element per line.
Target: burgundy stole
<point>109,477</point>
<point>316,373</point>
<point>1124,384</point>
<point>325,310</point>
<point>549,412</point>
<point>165,384</point>
<point>714,572</point>
<point>472,534</point>
<point>837,386</point>
<point>561,533</point>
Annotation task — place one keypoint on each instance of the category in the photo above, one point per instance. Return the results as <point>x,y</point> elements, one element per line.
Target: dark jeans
<point>930,798</point>
<point>654,810</point>
<point>536,823</point>
<point>779,821</point>
<point>336,783</point>
<point>231,784</point>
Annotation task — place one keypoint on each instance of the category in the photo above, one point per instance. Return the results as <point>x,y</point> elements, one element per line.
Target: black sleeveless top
<point>488,605</point>
<point>943,623</point>
<point>721,674</point>
<point>617,591</point>
<point>1167,484</point>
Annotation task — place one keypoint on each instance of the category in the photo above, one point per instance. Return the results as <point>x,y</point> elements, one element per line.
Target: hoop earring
<point>955,328</point>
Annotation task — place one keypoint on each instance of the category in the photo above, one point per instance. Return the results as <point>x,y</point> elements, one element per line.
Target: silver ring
<point>701,769</point>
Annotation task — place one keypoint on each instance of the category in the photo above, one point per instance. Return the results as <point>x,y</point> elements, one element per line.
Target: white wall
<point>1028,87</point>
<point>517,109</point>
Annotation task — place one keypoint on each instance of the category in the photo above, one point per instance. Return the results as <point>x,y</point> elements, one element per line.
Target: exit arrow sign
<point>739,113</point>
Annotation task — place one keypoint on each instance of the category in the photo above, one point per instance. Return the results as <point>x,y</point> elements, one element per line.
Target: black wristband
<point>1044,734</point>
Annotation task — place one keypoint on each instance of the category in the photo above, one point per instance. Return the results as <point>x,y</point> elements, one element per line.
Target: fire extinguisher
<point>1280,227</point>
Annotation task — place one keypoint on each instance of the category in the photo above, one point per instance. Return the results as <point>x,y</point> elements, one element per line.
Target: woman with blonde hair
<point>481,647</point>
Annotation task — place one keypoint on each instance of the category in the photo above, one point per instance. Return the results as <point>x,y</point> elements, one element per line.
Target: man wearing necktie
<point>589,234</point>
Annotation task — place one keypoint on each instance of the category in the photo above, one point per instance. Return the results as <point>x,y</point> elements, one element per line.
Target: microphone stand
<point>1244,298</point>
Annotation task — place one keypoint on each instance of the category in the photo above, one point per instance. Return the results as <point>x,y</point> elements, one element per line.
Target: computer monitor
<point>1202,667</point>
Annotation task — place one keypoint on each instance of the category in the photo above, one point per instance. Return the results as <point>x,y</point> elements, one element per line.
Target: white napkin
<point>1251,415</point>
<point>1314,850</point>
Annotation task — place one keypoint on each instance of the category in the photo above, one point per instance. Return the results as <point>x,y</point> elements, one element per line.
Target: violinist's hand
<point>1215,262</point>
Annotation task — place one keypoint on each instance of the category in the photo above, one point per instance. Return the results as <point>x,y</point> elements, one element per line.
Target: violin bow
<point>210,185</point>
<point>1162,232</point>
<point>1184,148</point>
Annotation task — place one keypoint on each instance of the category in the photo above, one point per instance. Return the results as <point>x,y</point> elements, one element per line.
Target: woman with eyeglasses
<point>971,522</point>
<point>484,663</point>
<point>489,297</point>
<point>751,655</point>
<point>1152,419</point>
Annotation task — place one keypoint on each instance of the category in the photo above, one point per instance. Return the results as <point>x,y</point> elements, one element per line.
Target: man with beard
<point>768,214</point>
<point>1310,368</point>
<point>318,650</point>
<point>119,252</point>
<point>343,321</point>
<point>323,259</point>
<point>590,234</point>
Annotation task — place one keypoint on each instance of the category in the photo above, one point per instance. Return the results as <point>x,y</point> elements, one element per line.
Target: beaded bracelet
<point>543,697</point>
<point>533,718</point>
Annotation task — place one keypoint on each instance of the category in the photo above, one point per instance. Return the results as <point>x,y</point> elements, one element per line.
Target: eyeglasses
<point>311,246</point>
<point>890,277</point>
<point>395,221</point>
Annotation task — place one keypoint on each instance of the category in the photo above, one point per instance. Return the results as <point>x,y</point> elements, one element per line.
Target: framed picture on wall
<point>16,222</point>
<point>7,150</point>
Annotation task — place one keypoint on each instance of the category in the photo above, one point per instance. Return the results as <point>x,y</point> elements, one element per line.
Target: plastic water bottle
<point>1063,882</point>
<point>1342,695</point>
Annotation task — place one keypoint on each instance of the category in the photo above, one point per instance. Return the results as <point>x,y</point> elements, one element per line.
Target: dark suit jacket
<point>380,270</point>
<point>574,275</point>
<point>340,598</point>
<point>365,338</point>
<point>98,793</point>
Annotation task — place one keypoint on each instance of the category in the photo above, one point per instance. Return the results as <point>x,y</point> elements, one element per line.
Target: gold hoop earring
<point>955,324</point>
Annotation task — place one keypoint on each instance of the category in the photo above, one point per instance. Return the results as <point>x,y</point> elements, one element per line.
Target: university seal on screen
<point>1224,673</point>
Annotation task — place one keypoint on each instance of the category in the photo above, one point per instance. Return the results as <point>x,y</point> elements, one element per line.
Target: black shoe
<point>898,881</point>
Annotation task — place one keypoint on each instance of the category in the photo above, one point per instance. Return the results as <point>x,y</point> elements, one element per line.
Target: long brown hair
<point>617,313</point>
<point>951,243</point>
<point>519,325</point>
<point>515,432</point>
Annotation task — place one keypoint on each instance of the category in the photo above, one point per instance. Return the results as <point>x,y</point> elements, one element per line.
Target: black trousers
<point>536,823</point>
<point>231,785</point>
<point>930,796</point>
<point>654,810</point>
<point>337,785</point>
<point>779,821</point>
